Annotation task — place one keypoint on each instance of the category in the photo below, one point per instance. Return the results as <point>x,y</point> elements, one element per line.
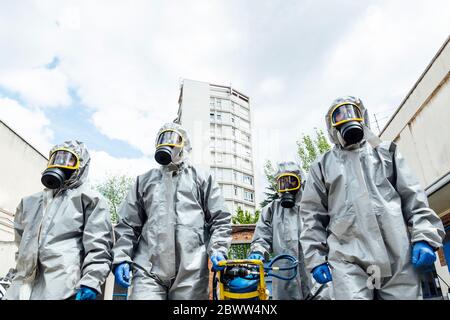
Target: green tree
<point>115,189</point>
<point>245,217</point>
<point>271,192</point>
<point>310,148</point>
<point>239,251</point>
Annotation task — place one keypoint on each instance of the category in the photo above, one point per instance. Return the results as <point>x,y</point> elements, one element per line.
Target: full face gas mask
<point>61,165</point>
<point>348,120</point>
<point>169,147</point>
<point>288,186</point>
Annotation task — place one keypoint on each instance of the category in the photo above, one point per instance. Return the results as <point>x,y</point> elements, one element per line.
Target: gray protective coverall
<point>362,209</point>
<point>278,232</point>
<point>64,238</point>
<point>172,218</point>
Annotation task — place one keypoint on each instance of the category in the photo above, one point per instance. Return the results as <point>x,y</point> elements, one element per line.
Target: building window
<point>211,102</point>
<point>219,117</point>
<point>211,116</point>
<point>245,125</point>
<point>248,196</point>
<point>219,102</point>
<point>219,130</point>
<point>245,112</point>
<point>236,191</point>
<point>219,174</point>
<point>232,120</point>
<point>219,157</point>
<point>235,175</point>
<point>248,180</point>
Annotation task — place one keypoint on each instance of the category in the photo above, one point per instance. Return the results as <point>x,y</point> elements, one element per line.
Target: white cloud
<point>32,125</point>
<point>387,49</point>
<point>271,86</point>
<point>38,87</point>
<point>104,165</point>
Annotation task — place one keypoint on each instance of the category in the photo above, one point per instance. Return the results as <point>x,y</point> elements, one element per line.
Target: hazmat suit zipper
<point>44,214</point>
<point>27,288</point>
<point>175,217</point>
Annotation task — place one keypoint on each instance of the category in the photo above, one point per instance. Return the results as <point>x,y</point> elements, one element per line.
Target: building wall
<point>20,171</point>
<point>427,137</point>
<point>421,129</point>
<point>194,116</point>
<point>218,119</point>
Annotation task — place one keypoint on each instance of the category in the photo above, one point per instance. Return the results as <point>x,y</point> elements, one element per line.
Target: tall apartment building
<point>218,120</point>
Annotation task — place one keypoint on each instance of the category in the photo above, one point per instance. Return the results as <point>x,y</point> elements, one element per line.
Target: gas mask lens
<point>169,138</point>
<point>63,159</point>
<point>168,146</point>
<point>345,113</point>
<point>288,182</point>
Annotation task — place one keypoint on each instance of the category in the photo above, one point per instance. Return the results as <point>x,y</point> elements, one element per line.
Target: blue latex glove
<point>422,254</point>
<point>256,256</point>
<point>322,273</point>
<point>215,258</point>
<point>122,274</point>
<point>86,293</point>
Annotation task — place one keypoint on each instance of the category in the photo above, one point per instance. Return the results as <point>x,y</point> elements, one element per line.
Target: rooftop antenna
<point>376,121</point>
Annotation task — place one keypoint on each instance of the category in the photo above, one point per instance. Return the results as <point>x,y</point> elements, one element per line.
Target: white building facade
<point>21,166</point>
<point>420,127</point>
<point>218,120</point>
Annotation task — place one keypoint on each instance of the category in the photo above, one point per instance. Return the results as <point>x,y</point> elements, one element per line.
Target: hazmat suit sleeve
<point>97,242</point>
<point>18,227</point>
<point>128,230</point>
<point>218,218</point>
<point>262,238</point>
<point>314,213</point>
<point>424,223</point>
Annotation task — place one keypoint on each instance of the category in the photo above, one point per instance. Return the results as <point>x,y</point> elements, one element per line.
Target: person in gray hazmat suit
<point>278,232</point>
<point>172,218</point>
<point>63,233</point>
<point>367,224</point>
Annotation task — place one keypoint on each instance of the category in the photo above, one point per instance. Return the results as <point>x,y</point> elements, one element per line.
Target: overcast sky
<point>108,72</point>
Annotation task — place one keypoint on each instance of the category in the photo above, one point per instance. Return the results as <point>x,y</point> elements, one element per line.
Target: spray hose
<point>293,266</point>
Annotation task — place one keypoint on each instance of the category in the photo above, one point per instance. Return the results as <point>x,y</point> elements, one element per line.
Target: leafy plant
<point>239,251</point>
<point>271,192</point>
<point>115,189</point>
<point>245,217</point>
<point>310,148</point>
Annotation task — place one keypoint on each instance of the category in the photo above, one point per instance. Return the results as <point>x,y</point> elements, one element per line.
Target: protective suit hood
<point>294,168</point>
<point>81,174</point>
<point>64,239</point>
<point>184,153</point>
<point>333,132</point>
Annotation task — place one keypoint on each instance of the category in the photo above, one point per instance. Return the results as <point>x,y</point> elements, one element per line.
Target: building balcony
<point>226,123</point>
<point>233,153</point>
<point>234,139</point>
<point>239,200</point>
<point>233,167</point>
<point>229,110</point>
<point>243,185</point>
